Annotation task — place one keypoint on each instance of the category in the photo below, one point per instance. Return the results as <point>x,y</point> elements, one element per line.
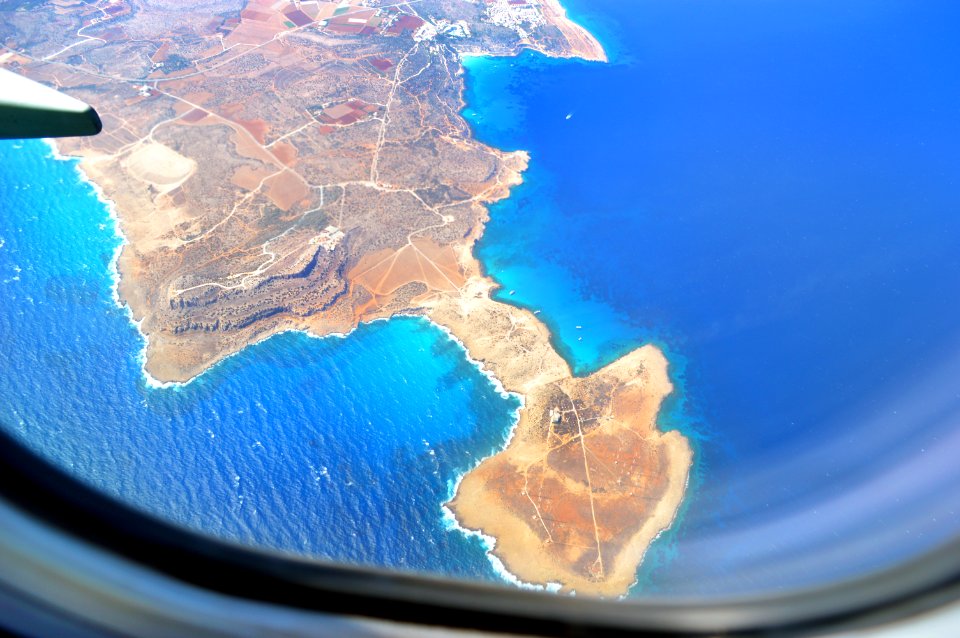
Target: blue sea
<point>770,192</point>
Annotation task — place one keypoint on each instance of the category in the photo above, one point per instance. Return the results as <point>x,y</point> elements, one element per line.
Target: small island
<point>277,166</point>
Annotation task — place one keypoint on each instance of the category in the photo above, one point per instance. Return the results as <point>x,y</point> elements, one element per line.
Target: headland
<point>276,168</point>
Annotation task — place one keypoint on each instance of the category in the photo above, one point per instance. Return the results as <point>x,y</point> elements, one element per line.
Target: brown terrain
<point>282,165</point>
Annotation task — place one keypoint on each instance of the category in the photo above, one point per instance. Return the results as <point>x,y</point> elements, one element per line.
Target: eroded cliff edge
<point>279,168</point>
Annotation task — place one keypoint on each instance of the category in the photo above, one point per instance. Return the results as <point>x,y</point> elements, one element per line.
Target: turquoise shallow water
<point>767,191</point>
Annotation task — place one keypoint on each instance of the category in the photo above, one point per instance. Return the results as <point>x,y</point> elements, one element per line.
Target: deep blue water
<point>341,448</point>
<point>768,190</point>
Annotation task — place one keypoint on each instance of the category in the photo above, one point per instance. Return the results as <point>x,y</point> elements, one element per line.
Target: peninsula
<point>279,165</point>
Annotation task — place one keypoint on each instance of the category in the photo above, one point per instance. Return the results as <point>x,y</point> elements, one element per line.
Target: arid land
<point>304,165</point>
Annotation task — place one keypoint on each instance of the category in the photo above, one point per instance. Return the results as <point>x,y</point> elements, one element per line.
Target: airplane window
<point>639,300</point>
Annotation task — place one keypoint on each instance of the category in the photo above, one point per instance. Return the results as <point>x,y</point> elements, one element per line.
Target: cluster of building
<point>359,20</point>
<point>521,16</point>
<point>430,30</point>
<point>261,19</point>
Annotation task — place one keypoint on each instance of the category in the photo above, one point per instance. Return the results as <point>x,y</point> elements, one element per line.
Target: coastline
<point>152,382</point>
<point>613,237</point>
<point>113,267</point>
<point>583,44</point>
<point>662,522</point>
<point>481,505</point>
<point>509,376</point>
<point>668,507</point>
<point>450,523</point>
<point>448,519</point>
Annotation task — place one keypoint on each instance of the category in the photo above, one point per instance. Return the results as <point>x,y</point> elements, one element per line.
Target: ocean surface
<point>768,191</point>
